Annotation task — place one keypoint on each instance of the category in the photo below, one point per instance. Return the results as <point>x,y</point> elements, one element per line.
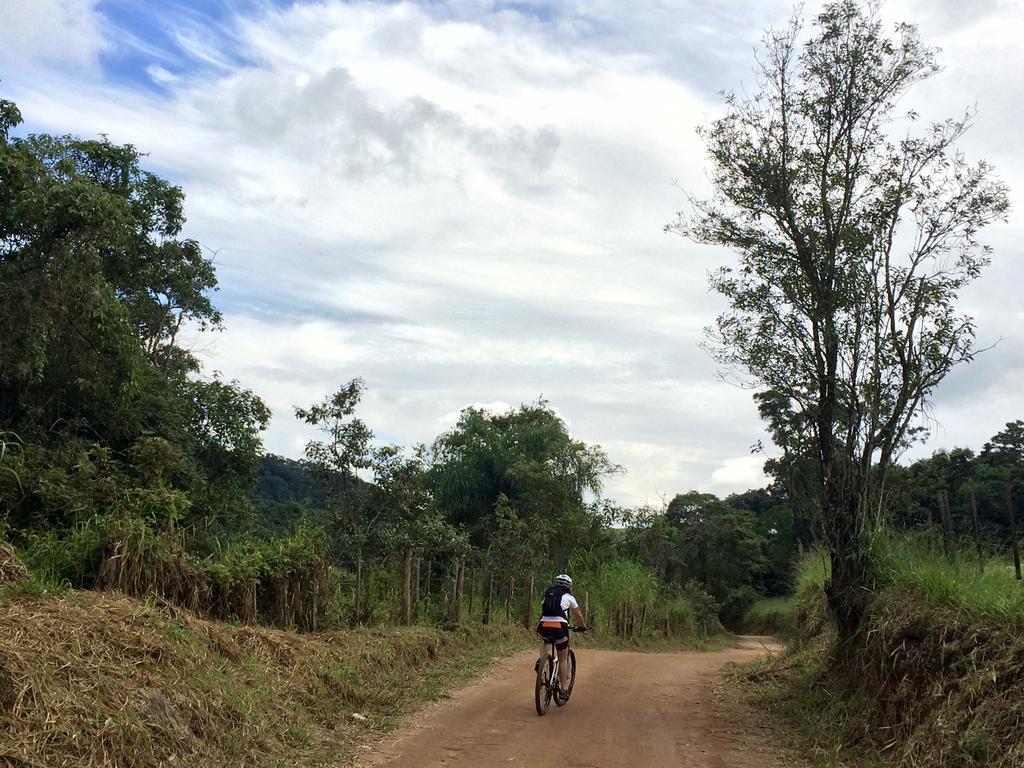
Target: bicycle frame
<point>548,684</point>
<point>552,652</point>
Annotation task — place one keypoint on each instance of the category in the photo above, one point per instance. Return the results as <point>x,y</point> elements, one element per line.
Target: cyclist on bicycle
<point>554,625</point>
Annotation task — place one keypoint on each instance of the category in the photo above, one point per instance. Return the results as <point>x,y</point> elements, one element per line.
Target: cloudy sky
<point>462,202</point>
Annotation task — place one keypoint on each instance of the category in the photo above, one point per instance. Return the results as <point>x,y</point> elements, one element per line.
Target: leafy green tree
<point>719,546</point>
<point>410,523</point>
<point>96,283</point>
<point>520,480</point>
<point>853,247</point>
<point>222,433</point>
<point>1000,471</point>
<point>335,462</point>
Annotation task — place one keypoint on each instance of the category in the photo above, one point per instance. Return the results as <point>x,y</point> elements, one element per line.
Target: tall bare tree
<point>854,239</point>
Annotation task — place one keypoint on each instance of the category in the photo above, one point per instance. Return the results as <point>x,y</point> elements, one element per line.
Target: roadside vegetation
<point>125,466</point>
<point>934,680</point>
<point>97,679</point>
<point>853,243</point>
<point>171,593</point>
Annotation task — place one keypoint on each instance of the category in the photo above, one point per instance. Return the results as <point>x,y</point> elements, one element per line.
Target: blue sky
<point>462,202</point>
<point>142,38</point>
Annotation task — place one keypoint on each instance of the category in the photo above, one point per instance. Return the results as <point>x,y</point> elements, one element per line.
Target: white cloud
<point>738,474</point>
<point>463,205</point>
<point>65,33</point>
<point>160,75</point>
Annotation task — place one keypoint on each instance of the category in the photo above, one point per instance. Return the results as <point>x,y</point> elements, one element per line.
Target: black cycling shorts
<point>554,632</point>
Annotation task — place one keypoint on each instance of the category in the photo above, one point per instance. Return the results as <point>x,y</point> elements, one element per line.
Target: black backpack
<point>553,601</point>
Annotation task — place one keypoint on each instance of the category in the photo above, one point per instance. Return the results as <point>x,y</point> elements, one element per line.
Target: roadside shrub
<point>985,585</point>
<point>736,605</point>
<point>772,616</point>
<point>705,607</point>
<point>681,619</point>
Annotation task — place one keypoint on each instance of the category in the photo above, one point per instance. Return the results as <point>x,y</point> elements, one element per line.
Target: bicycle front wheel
<point>570,660</point>
<point>541,689</point>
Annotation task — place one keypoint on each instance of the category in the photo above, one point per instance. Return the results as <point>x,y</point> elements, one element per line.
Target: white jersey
<point>568,603</point>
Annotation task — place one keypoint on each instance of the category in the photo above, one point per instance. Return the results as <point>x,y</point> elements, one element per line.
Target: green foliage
<point>628,600</point>
<point>853,247</point>
<point>982,586</point>
<point>513,480</point>
<point>813,570</point>
<point>705,607</point>
<point>978,486</point>
<point>771,616</point>
<point>719,545</point>
<point>736,605</point>
<point>133,471</point>
<point>96,283</point>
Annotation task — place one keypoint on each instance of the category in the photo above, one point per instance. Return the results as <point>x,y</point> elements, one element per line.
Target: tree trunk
<point>977,529</point>
<point>847,589</point>
<point>527,612</point>
<point>407,586</point>
<point>358,602</point>
<point>488,599</point>
<point>1012,519</point>
<point>416,590</point>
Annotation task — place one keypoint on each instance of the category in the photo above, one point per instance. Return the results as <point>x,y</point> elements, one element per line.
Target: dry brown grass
<point>98,679</point>
<point>925,685</point>
<point>12,570</point>
<point>949,685</point>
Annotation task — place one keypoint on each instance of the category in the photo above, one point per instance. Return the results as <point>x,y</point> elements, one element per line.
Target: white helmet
<point>564,579</point>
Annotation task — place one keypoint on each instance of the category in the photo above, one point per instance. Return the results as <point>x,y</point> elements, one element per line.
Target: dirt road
<point>629,710</point>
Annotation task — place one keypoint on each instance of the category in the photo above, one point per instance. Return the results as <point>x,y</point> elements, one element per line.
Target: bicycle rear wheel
<point>541,689</point>
<point>571,678</point>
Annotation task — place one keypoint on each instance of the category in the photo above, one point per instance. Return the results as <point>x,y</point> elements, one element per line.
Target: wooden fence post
<point>488,599</point>
<point>416,589</point>
<point>947,521</point>
<point>358,602</point>
<point>527,609</point>
<point>977,528</point>
<point>1013,529</point>
<point>509,597</point>
<point>455,612</point>
<point>407,586</point>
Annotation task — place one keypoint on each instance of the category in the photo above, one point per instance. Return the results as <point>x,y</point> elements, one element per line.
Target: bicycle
<point>548,685</point>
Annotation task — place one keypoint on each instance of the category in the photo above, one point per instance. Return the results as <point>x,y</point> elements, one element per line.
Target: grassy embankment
<point>97,679</point>
<point>935,679</point>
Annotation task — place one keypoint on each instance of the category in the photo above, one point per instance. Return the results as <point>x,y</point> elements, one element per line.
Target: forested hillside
<point>124,465</point>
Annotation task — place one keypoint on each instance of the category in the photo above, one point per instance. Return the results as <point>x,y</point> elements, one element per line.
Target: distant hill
<point>286,493</point>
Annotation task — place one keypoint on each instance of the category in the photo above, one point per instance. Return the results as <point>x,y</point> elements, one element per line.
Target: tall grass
<point>627,601</point>
<point>811,572</point>
<point>286,581</point>
<point>980,584</point>
<point>983,584</point>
